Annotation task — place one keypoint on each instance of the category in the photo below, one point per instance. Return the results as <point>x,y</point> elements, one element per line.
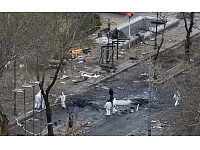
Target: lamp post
<point>129,15</point>
<point>22,91</point>
<point>129,30</point>
<point>31,86</point>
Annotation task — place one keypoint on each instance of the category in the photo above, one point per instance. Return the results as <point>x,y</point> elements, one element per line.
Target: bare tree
<point>16,38</point>
<point>65,30</point>
<point>188,32</point>
<point>163,22</point>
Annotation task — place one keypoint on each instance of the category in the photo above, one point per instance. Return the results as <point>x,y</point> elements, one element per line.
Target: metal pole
<point>155,47</point>
<point>107,50</point>
<point>14,113</point>
<point>149,118</point>
<point>117,48</point>
<point>109,24</point>
<point>129,32</point>
<point>112,54</point>
<point>102,58</point>
<point>24,112</point>
<point>34,82</point>
<point>41,117</point>
<point>33,106</point>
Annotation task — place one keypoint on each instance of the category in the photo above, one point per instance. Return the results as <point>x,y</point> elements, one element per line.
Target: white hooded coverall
<point>177,98</point>
<point>62,99</point>
<point>38,99</point>
<point>114,110</point>
<point>108,106</point>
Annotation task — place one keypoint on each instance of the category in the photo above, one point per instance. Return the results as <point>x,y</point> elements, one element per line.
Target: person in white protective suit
<point>62,99</point>
<point>114,110</point>
<point>177,98</point>
<point>39,101</point>
<point>108,107</point>
<point>43,103</point>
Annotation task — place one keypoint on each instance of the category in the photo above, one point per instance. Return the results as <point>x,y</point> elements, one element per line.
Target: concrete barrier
<point>139,30</point>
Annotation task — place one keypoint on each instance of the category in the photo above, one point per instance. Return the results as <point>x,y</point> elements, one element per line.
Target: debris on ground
<point>120,88</point>
<point>133,58</point>
<point>80,80</point>
<point>105,88</point>
<point>64,77</point>
<point>83,74</point>
<point>123,102</point>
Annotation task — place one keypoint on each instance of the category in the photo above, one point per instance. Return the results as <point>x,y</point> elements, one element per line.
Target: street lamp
<point>31,86</point>
<point>129,15</point>
<point>22,91</point>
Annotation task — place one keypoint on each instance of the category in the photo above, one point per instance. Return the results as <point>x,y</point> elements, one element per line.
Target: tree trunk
<point>4,123</point>
<point>188,30</point>
<point>46,99</point>
<point>48,114</point>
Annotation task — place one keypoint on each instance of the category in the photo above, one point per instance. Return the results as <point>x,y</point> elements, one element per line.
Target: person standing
<point>38,100</point>
<point>43,106</point>
<point>114,106</point>
<point>108,106</point>
<point>62,99</point>
<point>115,33</point>
<point>42,103</point>
<point>111,95</point>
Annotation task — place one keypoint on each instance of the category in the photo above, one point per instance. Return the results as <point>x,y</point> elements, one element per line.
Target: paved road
<point>88,110</point>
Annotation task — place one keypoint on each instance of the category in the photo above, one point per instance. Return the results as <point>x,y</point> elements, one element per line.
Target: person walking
<point>177,98</point>
<point>108,106</point>
<point>62,99</point>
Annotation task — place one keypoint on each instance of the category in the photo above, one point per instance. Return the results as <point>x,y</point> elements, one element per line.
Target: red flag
<point>129,14</point>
